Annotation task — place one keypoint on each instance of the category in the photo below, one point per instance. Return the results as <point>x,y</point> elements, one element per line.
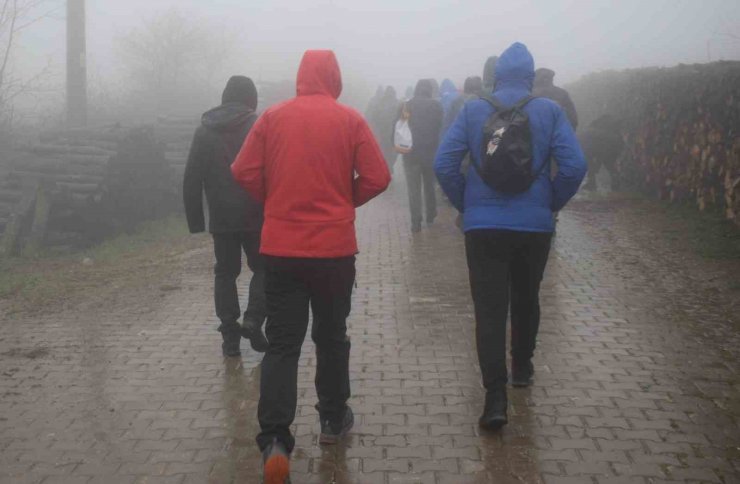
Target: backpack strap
<point>523,102</point>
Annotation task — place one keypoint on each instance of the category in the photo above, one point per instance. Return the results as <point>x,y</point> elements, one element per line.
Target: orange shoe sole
<point>277,469</point>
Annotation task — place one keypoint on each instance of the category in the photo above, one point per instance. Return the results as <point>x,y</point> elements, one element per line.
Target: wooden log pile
<point>74,187</point>
<point>139,183</point>
<point>681,128</point>
<point>177,135</point>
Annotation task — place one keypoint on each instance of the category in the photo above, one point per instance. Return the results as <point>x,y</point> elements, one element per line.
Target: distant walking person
<point>508,228</point>
<point>312,161</point>
<point>544,86</point>
<point>473,89</point>
<point>448,93</point>
<point>235,218</point>
<point>489,74</point>
<point>372,104</point>
<point>425,121</point>
<point>383,122</point>
<point>602,144</point>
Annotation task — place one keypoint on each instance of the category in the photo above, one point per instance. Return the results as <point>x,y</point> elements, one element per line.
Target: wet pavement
<point>636,373</point>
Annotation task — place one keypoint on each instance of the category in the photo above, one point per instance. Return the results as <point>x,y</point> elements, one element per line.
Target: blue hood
<point>448,93</point>
<point>515,68</point>
<point>447,87</point>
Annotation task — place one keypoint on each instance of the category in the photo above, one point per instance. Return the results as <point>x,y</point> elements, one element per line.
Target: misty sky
<point>399,41</point>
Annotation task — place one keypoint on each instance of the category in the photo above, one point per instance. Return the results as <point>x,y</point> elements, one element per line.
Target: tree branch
<point>11,36</point>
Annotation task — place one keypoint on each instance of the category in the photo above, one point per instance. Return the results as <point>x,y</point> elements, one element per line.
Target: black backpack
<point>506,161</point>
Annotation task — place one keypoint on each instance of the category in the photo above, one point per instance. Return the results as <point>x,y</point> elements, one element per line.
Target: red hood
<point>319,74</point>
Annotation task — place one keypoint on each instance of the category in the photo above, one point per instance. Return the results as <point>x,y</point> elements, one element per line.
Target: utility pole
<point>76,64</point>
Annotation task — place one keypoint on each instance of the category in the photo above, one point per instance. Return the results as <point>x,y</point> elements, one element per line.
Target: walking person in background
<point>448,95</point>
<point>372,104</point>
<point>425,120</point>
<point>312,161</point>
<point>544,86</point>
<point>508,229</point>
<point>489,75</point>
<point>383,122</point>
<point>235,218</point>
<point>472,89</point>
<point>436,89</point>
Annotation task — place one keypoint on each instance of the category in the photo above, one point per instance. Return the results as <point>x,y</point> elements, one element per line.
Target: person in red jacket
<point>312,161</point>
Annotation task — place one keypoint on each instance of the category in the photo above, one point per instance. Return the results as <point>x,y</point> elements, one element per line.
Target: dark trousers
<point>420,176</point>
<point>228,248</point>
<point>505,265</point>
<point>293,285</point>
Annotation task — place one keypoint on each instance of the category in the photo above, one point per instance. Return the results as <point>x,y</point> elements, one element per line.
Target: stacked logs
<point>177,135</point>
<point>681,128</point>
<point>75,187</point>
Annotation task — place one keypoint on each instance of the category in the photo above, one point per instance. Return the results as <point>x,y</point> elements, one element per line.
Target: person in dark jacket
<point>425,121</point>
<point>602,144</point>
<point>489,74</point>
<point>544,86</point>
<point>383,122</point>
<point>436,89</point>
<point>507,236</point>
<point>372,104</point>
<point>473,89</point>
<point>234,218</point>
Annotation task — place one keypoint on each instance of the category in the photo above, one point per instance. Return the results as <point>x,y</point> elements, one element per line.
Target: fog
<point>396,42</point>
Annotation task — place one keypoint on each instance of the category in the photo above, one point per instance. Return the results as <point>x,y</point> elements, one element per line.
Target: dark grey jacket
<point>215,146</point>
<point>559,95</point>
<point>425,122</point>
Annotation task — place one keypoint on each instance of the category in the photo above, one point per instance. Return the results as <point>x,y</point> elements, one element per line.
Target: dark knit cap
<point>240,89</point>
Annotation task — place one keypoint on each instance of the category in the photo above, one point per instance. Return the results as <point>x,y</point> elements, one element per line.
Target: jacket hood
<point>544,77</point>
<point>390,93</point>
<point>424,88</point>
<point>240,89</point>
<point>447,87</point>
<point>227,117</point>
<point>319,74</point>
<point>515,66</point>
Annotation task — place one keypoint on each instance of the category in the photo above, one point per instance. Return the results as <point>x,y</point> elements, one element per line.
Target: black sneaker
<point>494,414</point>
<point>331,433</point>
<point>230,345</point>
<point>276,464</point>
<point>522,374</point>
<point>253,333</point>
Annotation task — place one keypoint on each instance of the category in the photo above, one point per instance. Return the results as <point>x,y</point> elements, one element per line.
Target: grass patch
<point>709,233</point>
<point>54,279</point>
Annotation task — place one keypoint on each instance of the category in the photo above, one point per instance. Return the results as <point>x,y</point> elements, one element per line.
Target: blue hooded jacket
<point>552,136</point>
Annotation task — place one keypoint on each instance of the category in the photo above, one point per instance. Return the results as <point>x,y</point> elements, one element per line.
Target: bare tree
<point>173,56</point>
<point>15,17</point>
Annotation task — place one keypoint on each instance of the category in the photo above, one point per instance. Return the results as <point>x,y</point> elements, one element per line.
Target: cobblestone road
<point>636,374</point>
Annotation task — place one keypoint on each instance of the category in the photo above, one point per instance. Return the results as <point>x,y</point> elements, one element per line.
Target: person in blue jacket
<point>507,237</point>
<point>448,93</point>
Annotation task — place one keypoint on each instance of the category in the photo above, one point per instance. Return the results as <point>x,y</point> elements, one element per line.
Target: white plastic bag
<point>402,139</point>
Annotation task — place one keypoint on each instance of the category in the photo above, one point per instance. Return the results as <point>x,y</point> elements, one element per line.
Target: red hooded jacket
<point>311,160</point>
